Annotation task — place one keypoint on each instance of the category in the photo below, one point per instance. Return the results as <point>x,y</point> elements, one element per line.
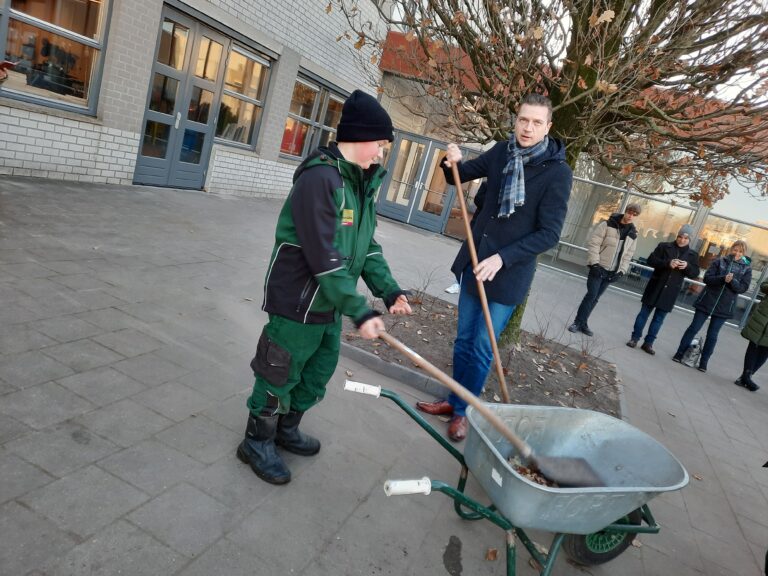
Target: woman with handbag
<point>756,331</point>
<point>725,279</point>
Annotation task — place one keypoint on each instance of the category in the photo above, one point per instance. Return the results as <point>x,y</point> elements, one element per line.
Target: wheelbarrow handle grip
<point>400,487</point>
<point>361,388</point>
<point>525,451</point>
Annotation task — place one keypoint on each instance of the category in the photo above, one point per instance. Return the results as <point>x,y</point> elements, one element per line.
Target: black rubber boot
<point>258,450</point>
<point>292,439</point>
<point>746,380</point>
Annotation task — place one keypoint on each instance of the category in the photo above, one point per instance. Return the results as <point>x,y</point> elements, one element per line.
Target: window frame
<point>267,64</point>
<point>7,13</point>
<point>325,93</point>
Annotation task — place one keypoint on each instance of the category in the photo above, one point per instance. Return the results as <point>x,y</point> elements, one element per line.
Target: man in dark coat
<point>528,184</point>
<point>672,262</point>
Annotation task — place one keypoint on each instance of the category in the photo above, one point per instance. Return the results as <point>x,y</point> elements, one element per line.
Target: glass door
<point>405,168</point>
<point>184,94</point>
<point>416,191</point>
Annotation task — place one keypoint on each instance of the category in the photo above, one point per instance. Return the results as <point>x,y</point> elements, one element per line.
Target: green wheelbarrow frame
<point>606,541</point>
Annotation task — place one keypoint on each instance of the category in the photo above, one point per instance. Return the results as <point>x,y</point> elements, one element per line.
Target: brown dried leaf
<point>698,477</point>
<point>491,554</point>
<point>606,16</point>
<point>329,8</point>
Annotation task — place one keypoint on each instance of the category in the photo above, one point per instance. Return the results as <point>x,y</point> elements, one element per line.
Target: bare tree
<point>665,94</point>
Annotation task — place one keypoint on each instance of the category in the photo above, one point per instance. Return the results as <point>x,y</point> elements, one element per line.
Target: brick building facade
<point>222,95</point>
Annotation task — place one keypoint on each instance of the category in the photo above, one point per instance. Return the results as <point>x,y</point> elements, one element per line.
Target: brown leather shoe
<point>457,428</point>
<point>648,348</point>
<point>439,408</point>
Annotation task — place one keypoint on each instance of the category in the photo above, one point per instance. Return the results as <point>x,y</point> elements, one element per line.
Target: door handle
<point>178,119</point>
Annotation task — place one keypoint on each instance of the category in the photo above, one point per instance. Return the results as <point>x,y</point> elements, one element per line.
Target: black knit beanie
<point>363,120</point>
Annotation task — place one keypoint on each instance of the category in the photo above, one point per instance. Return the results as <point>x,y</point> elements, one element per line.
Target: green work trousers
<point>314,350</point>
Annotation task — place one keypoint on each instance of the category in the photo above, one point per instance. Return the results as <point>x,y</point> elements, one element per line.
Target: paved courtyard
<point>128,318</point>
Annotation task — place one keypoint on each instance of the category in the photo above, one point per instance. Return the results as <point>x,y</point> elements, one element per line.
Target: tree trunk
<point>511,333</point>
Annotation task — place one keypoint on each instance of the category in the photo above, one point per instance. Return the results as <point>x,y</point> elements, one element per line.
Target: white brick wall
<point>36,141</point>
<point>303,26</point>
<point>243,174</point>
<point>48,146</point>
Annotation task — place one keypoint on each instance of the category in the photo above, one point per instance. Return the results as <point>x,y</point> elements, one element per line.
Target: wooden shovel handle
<point>520,445</point>
<point>480,286</point>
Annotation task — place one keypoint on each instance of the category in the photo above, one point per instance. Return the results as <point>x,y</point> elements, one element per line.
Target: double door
<point>415,190</point>
<point>182,104</point>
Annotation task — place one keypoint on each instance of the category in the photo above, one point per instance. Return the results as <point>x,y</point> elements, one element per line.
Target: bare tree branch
<point>667,95</point>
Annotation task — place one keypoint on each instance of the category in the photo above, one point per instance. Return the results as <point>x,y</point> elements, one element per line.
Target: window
<point>659,222</point>
<point>57,46</point>
<point>312,119</point>
<point>242,102</point>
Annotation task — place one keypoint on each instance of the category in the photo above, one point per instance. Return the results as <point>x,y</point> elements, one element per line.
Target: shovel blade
<point>568,472</point>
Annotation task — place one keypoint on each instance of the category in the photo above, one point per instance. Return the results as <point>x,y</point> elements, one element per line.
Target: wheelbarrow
<point>592,525</point>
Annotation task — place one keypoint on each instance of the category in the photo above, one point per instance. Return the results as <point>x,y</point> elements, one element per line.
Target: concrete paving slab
<point>225,558</point>
<point>120,548</point>
<point>152,466</point>
<point>30,541</point>
<point>82,355</point>
<point>127,267</point>
<point>31,368</point>
<point>200,438</point>
<point>61,449</point>
<point>94,499</point>
<point>102,386</point>
<point>184,518</point>
<point>125,422</point>
<point>44,405</point>
<point>17,477</point>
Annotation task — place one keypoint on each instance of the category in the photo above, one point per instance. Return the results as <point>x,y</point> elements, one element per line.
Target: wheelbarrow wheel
<point>603,546</point>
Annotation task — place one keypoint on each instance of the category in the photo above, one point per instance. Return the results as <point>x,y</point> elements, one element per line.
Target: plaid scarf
<point>513,188</point>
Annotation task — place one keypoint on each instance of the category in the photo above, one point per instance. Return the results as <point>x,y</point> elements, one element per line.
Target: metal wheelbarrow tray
<point>591,525</point>
<point>633,466</point>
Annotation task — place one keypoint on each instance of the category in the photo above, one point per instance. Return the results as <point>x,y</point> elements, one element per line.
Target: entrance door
<point>416,191</point>
<point>184,94</point>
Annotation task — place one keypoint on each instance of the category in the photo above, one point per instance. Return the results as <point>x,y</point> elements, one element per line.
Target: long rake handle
<point>480,286</point>
<point>520,445</point>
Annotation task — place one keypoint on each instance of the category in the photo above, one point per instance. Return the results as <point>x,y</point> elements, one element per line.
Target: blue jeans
<point>597,283</point>
<point>653,329</point>
<point>713,330</point>
<point>472,351</point>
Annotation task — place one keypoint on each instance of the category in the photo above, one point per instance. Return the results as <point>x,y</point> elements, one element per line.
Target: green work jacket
<point>324,243</point>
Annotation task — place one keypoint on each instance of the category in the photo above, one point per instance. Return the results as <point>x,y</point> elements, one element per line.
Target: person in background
<point>672,263</point>
<point>725,279</point>
<point>323,244</point>
<point>756,331</point>
<point>520,215</point>
<point>610,250</point>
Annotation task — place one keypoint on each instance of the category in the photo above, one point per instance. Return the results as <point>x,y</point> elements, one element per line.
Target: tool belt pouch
<point>272,362</point>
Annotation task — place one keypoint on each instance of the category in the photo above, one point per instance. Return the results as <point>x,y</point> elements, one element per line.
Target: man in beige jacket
<point>611,248</point>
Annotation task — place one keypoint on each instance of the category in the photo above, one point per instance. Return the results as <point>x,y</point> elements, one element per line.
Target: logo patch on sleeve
<point>347,217</point>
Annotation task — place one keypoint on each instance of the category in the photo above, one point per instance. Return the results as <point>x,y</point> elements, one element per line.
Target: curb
<point>402,374</point>
<point>427,384</point>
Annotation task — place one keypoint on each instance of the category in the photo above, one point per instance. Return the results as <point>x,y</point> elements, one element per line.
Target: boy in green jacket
<point>323,244</point>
